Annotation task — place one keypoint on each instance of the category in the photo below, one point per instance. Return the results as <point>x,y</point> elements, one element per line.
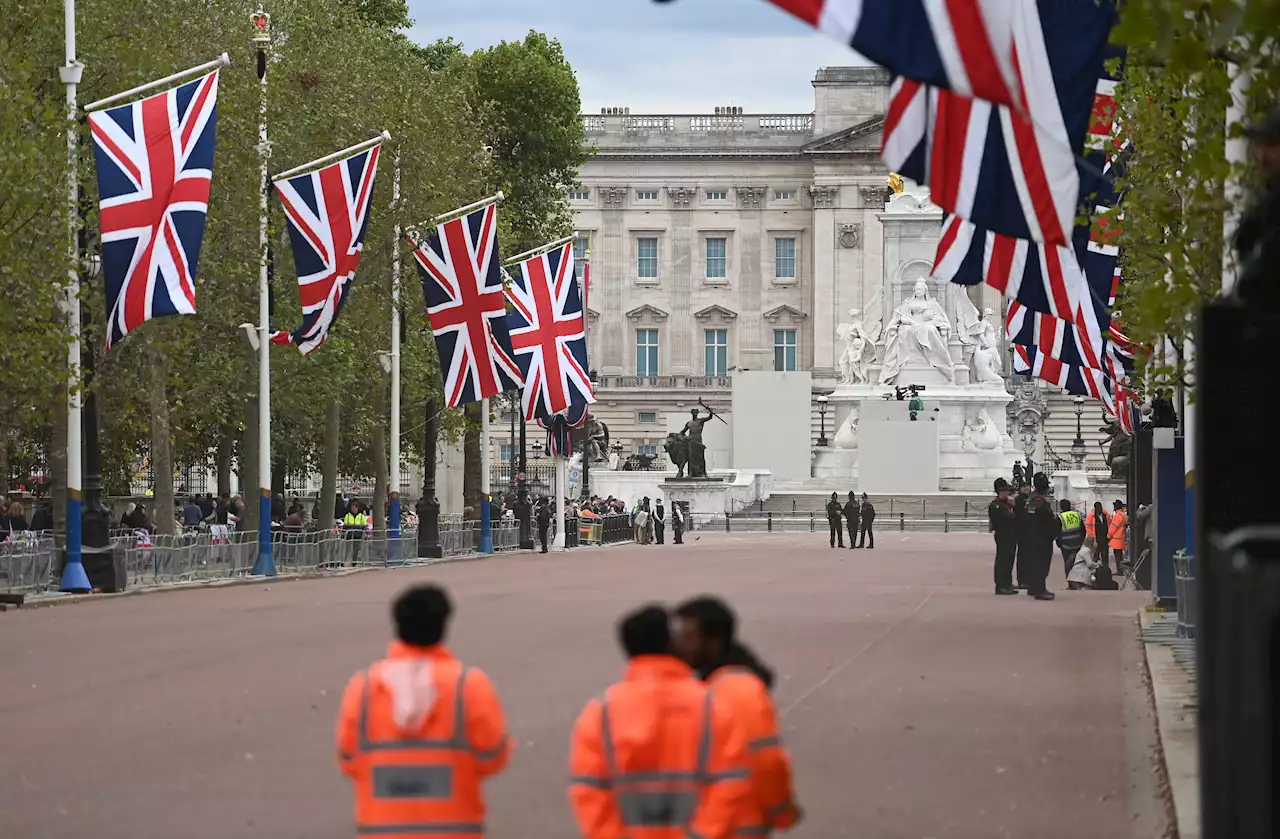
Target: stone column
<point>681,279</point>
<point>750,201</point>
<point>614,273</point>
<point>826,314</point>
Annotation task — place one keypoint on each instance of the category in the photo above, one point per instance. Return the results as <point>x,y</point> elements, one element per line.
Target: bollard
<point>727,517</point>
<point>966,509</point>
<point>924,508</point>
<point>793,505</point>
<point>946,522</point>
<point>812,524</point>
<point>890,506</point>
<point>761,503</point>
<point>770,522</point>
<point>902,521</point>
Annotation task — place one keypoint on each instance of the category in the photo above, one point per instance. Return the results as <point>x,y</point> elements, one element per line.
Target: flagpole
<point>321,162</point>
<point>562,492</point>
<point>74,577</point>
<point>264,565</point>
<point>223,60</point>
<point>486,524</point>
<point>393,509</point>
<point>549,246</point>
<point>585,490</point>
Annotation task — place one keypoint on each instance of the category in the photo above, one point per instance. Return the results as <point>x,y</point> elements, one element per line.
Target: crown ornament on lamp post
<point>261,23</point>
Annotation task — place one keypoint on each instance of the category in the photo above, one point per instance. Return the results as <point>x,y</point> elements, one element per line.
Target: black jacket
<point>1003,520</point>
<point>833,511</point>
<point>1258,247</point>
<point>741,656</point>
<point>852,511</point>
<point>868,512</point>
<point>1038,524</point>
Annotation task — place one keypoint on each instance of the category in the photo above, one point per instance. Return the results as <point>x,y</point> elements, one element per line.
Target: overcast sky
<point>683,57</point>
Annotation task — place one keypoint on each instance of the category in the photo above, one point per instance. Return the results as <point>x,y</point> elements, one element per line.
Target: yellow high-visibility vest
<point>1071,520</point>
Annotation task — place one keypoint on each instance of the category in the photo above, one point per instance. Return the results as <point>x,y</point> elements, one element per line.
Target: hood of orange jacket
<point>636,722</point>
<point>409,674</point>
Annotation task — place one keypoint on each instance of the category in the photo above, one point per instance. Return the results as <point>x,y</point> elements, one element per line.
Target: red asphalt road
<point>914,702</point>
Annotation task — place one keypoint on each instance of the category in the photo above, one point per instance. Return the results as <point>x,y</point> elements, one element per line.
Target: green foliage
<point>338,73</point>
<point>1176,88</point>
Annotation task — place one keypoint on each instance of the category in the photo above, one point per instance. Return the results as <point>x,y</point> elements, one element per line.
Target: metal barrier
<point>29,563</point>
<point>1187,592</point>
<point>807,523</point>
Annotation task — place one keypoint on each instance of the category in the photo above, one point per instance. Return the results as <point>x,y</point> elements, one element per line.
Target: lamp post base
<point>428,509</point>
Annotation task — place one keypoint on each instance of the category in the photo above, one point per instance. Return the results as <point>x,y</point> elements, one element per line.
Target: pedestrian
<point>353,527</point>
<point>1083,567</point>
<point>1257,239</point>
<point>852,515</point>
<point>677,522</point>
<point>191,513</point>
<point>1098,524</point>
<point>1040,528</point>
<point>642,524</point>
<point>1004,527</point>
<point>867,536</point>
<point>705,638</point>
<point>834,512</point>
<point>1117,533</point>
<point>659,521</point>
<point>657,756</point>
<point>1071,535</point>
<point>543,517</point>
<point>418,732</point>
<point>1020,511</point>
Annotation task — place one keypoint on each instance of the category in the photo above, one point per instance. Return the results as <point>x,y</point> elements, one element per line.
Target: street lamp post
<point>525,506</point>
<point>1077,446</point>
<point>586,442</point>
<point>428,505</point>
<point>822,419</point>
<point>264,565</point>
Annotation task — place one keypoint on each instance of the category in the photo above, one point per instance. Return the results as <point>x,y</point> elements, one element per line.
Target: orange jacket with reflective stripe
<point>418,732</point>
<point>658,758</point>
<point>770,805</point>
<point>1116,536</point>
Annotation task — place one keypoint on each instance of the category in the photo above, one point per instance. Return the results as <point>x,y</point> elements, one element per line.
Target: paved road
<point>915,703</point>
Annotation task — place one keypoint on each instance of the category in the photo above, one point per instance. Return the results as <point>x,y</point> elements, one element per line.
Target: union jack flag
<point>546,325</point>
<point>1006,171</point>
<point>462,283</point>
<point>155,166</point>
<point>1126,409</point>
<point>962,45</point>
<point>328,214</point>
<point>1073,379</point>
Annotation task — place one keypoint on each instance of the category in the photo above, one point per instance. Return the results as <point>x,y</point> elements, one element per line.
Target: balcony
<point>620,133</point>
<point>665,382</point>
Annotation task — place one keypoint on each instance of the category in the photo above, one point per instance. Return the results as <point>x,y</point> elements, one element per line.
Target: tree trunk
<point>56,465</point>
<point>161,455</point>
<point>471,459</point>
<point>4,460</point>
<point>222,462</point>
<point>249,468</point>
<point>329,470</point>
<point>380,462</point>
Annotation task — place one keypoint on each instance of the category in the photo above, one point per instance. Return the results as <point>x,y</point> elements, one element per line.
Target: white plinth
<point>966,461</point>
<point>703,497</point>
<point>897,455</point>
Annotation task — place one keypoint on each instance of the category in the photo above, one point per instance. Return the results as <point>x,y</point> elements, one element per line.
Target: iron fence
<point>817,523</point>
<point>29,563</point>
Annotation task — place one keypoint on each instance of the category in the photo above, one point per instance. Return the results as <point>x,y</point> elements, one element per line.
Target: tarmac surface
<point>915,703</point>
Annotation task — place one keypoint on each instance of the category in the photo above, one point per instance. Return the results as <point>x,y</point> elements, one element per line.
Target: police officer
<point>1004,528</point>
<point>543,517</point>
<point>852,514</point>
<point>834,514</point>
<point>1072,534</point>
<point>1039,527</point>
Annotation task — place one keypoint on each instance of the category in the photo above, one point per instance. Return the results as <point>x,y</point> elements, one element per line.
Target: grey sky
<point>684,57</point>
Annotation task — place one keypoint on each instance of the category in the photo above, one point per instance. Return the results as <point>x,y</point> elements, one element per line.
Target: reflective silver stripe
<point>590,781</point>
<point>727,775</point>
<point>665,808</point>
<point>419,782</point>
<point>752,830</point>
<point>458,742</point>
<point>444,828</point>
<point>781,808</point>
<point>491,754</point>
<point>764,743</point>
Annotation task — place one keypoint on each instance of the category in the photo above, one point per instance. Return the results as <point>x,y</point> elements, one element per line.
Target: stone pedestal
<point>703,496</point>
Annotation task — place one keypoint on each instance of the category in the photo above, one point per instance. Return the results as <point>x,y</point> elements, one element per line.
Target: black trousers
<point>1035,567</point>
<point>658,529</point>
<point>542,535</point>
<point>1006,551</point>
<point>1068,560</point>
<point>853,531</point>
<point>837,532</point>
<point>1020,554</point>
<point>866,538</point>
<point>677,532</point>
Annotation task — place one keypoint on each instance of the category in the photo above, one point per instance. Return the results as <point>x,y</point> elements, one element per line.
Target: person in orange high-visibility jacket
<point>1117,535</point>
<point>419,731</point>
<point>705,638</point>
<point>657,756</point>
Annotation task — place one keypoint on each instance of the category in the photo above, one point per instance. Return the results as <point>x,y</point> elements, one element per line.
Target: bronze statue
<point>692,432</point>
<point>677,448</point>
<point>1116,448</point>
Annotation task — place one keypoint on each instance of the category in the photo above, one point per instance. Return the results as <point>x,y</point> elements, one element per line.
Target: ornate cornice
<point>784,311</point>
<point>681,196</point>
<point>824,197</point>
<point>651,311</point>
<point>715,311</point>
<point>613,196</point>
<point>750,196</point>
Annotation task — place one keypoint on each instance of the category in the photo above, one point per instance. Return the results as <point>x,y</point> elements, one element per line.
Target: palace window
<point>580,193</point>
<point>784,195</point>
<point>581,245</point>
<point>717,195</point>
<point>646,352</point>
<point>784,258</point>
<point>717,347</point>
<point>784,350</point>
<point>647,417</point>
<point>647,257</point>
<point>717,257</point>
<point>646,195</point>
